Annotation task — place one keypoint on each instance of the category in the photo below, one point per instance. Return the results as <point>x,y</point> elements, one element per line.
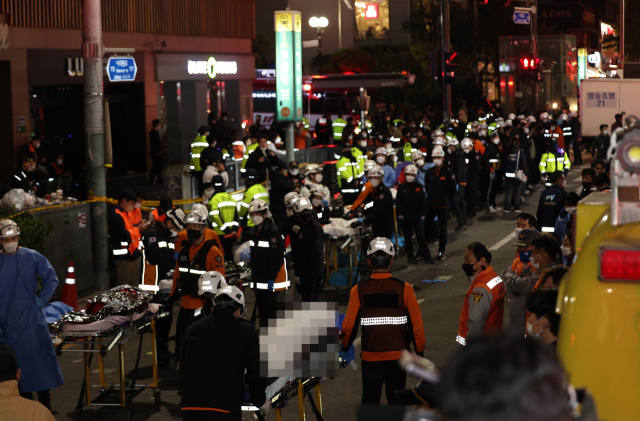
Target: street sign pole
<point>446,91</point>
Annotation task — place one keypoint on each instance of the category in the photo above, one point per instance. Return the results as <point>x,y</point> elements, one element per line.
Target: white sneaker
<point>494,210</point>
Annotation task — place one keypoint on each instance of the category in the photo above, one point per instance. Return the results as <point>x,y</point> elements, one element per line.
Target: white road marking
<point>421,300</point>
<point>504,241</point>
<point>445,277</point>
<point>356,343</point>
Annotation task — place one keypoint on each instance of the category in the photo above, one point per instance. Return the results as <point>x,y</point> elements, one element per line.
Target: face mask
<point>59,161</point>
<point>379,136</point>
<point>534,264</point>
<point>410,178</point>
<point>318,178</point>
<point>525,256</point>
<point>137,205</point>
<point>10,248</point>
<point>468,269</point>
<point>495,140</point>
<point>395,158</point>
<point>263,149</point>
<point>363,143</point>
<point>571,210</point>
<point>413,139</point>
<point>605,132</point>
<point>36,145</point>
<point>483,132</point>
<point>278,140</point>
<point>316,202</point>
<point>466,150</point>
<point>530,330</point>
<point>526,130</point>
<point>293,172</point>
<point>437,162</point>
<point>375,182</point>
<point>193,235</point>
<point>587,185</point>
<point>257,220</point>
<point>565,250</point>
<point>380,160</point>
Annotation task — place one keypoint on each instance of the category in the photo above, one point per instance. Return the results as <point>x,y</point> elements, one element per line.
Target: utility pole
<point>339,24</point>
<point>476,33</point>
<point>534,44</point>
<point>446,89</point>
<point>92,52</point>
<point>621,49</point>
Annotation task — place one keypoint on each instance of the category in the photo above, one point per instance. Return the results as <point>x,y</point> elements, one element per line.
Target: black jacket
<point>20,180</point>
<point>549,206</point>
<point>491,153</point>
<point>159,249</point>
<point>308,257</point>
<point>118,233</point>
<point>473,160</point>
<point>458,166</point>
<point>214,355</point>
<point>155,145</point>
<point>411,201</point>
<point>267,255</point>
<point>440,186</point>
<point>208,156</point>
<point>380,214</point>
<point>262,167</point>
<point>280,186</point>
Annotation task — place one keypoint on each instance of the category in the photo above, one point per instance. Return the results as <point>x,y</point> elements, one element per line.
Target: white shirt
<point>208,175</point>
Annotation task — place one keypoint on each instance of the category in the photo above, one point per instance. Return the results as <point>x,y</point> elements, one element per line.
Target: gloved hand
<point>40,302</point>
<point>457,185</point>
<point>325,202</point>
<point>343,356</point>
<point>400,217</point>
<point>563,213</point>
<point>361,220</point>
<point>270,285</point>
<point>266,407</point>
<point>420,354</point>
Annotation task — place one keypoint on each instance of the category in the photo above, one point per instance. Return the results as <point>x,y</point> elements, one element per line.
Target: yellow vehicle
<point>599,299</point>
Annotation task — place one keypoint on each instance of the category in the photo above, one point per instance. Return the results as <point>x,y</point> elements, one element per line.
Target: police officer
<point>457,164</point>
<point>197,146</point>
<point>555,159</point>
<point>388,311</point>
<point>483,306</point>
<point>307,249</point>
<point>224,215</point>
<point>255,190</point>
<point>411,207</point>
<point>197,256</point>
<point>348,172</point>
<point>492,160</point>
<point>269,275</point>
<point>158,256</point>
<point>551,203</point>
<point>338,127</point>
<point>440,185</point>
<point>379,213</point>
<point>410,146</point>
<point>472,159</point>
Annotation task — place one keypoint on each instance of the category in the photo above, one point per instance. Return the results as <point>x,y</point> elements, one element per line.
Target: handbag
<point>520,173</point>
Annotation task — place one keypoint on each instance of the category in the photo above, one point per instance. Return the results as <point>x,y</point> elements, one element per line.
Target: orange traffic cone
<point>69,291</point>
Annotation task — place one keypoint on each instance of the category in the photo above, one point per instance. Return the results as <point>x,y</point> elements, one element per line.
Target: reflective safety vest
<point>257,191</point>
<point>347,171</point>
<point>191,270</point>
<point>127,247</point>
<point>223,213</point>
<point>155,216</point>
<point>248,152</point>
<point>362,158</point>
<point>338,128</point>
<point>408,150</point>
<point>197,146</point>
<point>383,315</point>
<point>306,123</point>
<point>550,163</point>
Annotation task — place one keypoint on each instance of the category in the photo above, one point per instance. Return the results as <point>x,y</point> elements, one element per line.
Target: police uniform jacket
<point>380,214</point>
<point>473,161</point>
<point>411,201</point>
<point>440,186</point>
<point>267,256</point>
<point>309,254</point>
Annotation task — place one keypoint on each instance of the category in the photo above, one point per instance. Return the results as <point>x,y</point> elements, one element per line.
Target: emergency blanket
<point>109,321</point>
<point>340,227</point>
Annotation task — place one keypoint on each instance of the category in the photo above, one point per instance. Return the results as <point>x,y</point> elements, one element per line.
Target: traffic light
<point>529,67</point>
<point>483,1</point>
<point>450,68</point>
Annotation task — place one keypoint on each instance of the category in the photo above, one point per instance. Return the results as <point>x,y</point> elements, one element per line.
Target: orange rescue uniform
<point>209,234</point>
<point>135,216</point>
<point>367,189</point>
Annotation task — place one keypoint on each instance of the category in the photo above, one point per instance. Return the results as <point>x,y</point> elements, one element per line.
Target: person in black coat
<point>20,179</point>
<point>455,161</point>
<point>308,256</point>
<point>156,152</point>
<point>324,131</point>
<point>280,186</point>
<point>261,159</point>
<point>551,203</point>
<point>472,159</point>
<point>380,215</point>
<point>215,353</point>
<point>411,208</point>
<point>492,159</point>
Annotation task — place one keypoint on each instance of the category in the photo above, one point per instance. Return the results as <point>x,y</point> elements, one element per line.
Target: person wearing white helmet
<point>209,233</point>
<point>307,250</point>
<point>410,146</point>
<point>269,275</point>
<point>472,159</point>
<point>482,132</point>
<point>316,196</point>
<point>389,179</point>
<point>454,159</point>
<point>289,200</point>
<point>379,212</point>
<point>313,175</point>
<point>392,157</point>
<point>492,160</point>
<point>225,337</point>
<point>388,311</point>
<point>440,184</point>
<point>511,116</point>
<point>22,323</point>
<point>197,255</point>
<point>411,209</point>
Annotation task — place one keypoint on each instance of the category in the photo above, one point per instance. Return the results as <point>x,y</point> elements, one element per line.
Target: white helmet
<point>437,153</point>
<point>410,169</point>
<point>531,119</point>
<point>483,126</point>
<point>544,116</point>
<point>438,141</point>
<point>391,151</point>
<point>315,190</point>
<point>375,172</point>
<point>416,155</point>
<point>201,209</point>
<point>290,199</point>
<point>437,133</point>
<point>499,120</point>
<point>521,117</point>
<point>369,164</point>
<point>475,124</point>
<point>232,292</point>
<point>210,282</point>
<point>312,169</point>
<point>466,143</point>
<point>258,205</point>
<point>452,141</point>
<point>381,244</point>
<point>381,151</point>
<point>196,217</point>
<point>495,133</point>
<point>177,217</point>
<point>509,122</point>
<point>302,204</point>
<point>564,116</point>
<point>8,228</point>
<point>511,116</point>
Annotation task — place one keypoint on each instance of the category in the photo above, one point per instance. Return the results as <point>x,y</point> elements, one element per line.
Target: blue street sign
<point>522,17</point>
<point>121,69</point>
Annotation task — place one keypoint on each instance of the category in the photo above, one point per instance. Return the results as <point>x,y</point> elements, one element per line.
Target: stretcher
<point>103,342</point>
<point>344,243</point>
<point>300,387</point>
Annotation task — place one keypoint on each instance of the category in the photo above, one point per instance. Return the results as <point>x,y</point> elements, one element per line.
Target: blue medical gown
<point>23,324</point>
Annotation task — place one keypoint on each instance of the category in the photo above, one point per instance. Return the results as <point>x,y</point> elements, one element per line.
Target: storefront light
<point>212,67</point>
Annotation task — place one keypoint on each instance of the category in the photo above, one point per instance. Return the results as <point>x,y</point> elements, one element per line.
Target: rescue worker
<point>208,286</point>
<point>302,137</point>
<point>224,215</point>
<point>554,160</point>
<point>20,180</point>
<point>269,274</point>
<point>217,391</point>
<point>567,133</point>
<point>280,187</point>
<point>158,256</point>
<point>411,146</point>
<point>209,233</point>
<point>292,218</point>
<point>472,159</point>
<point>262,159</point>
<point>411,208</point>
<point>197,146</point>
<point>457,164</point>
<point>125,239</point>
<point>348,173</point>
<point>388,311</point>
<point>338,127</point>
<point>556,134</point>
<point>389,173</point>
<point>392,157</point>
<point>551,203</point>
<point>307,249</point>
<point>136,214</point>
<point>158,214</point>
<point>379,214</point>
<point>255,190</point>
<point>316,197</point>
<point>313,175</point>
<point>324,131</point>
<point>22,323</point>
<point>197,256</point>
<point>519,279</point>
<point>249,150</point>
<point>215,168</point>
<point>492,160</point>
<point>360,143</point>
<point>440,185</point>
<point>483,307</point>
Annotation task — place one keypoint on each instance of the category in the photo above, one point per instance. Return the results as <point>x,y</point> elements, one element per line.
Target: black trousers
<point>408,228</point>
<point>181,327</point>
<point>483,185</point>
<point>310,285</point>
<point>267,306</point>
<point>44,397</point>
<point>156,168</point>
<point>227,245</point>
<point>458,207</point>
<point>163,327</point>
<point>350,197</point>
<point>377,373</point>
<point>441,213</point>
<point>280,218</point>
<point>471,194</point>
<point>512,192</point>
<point>495,184</point>
<point>577,153</point>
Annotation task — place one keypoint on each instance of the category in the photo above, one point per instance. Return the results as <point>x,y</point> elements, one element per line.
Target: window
<point>372,19</point>
<point>317,102</point>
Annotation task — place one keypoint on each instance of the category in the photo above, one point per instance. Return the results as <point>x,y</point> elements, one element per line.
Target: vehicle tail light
<point>619,265</point>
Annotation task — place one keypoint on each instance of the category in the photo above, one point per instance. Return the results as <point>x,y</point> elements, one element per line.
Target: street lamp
<point>319,23</point>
